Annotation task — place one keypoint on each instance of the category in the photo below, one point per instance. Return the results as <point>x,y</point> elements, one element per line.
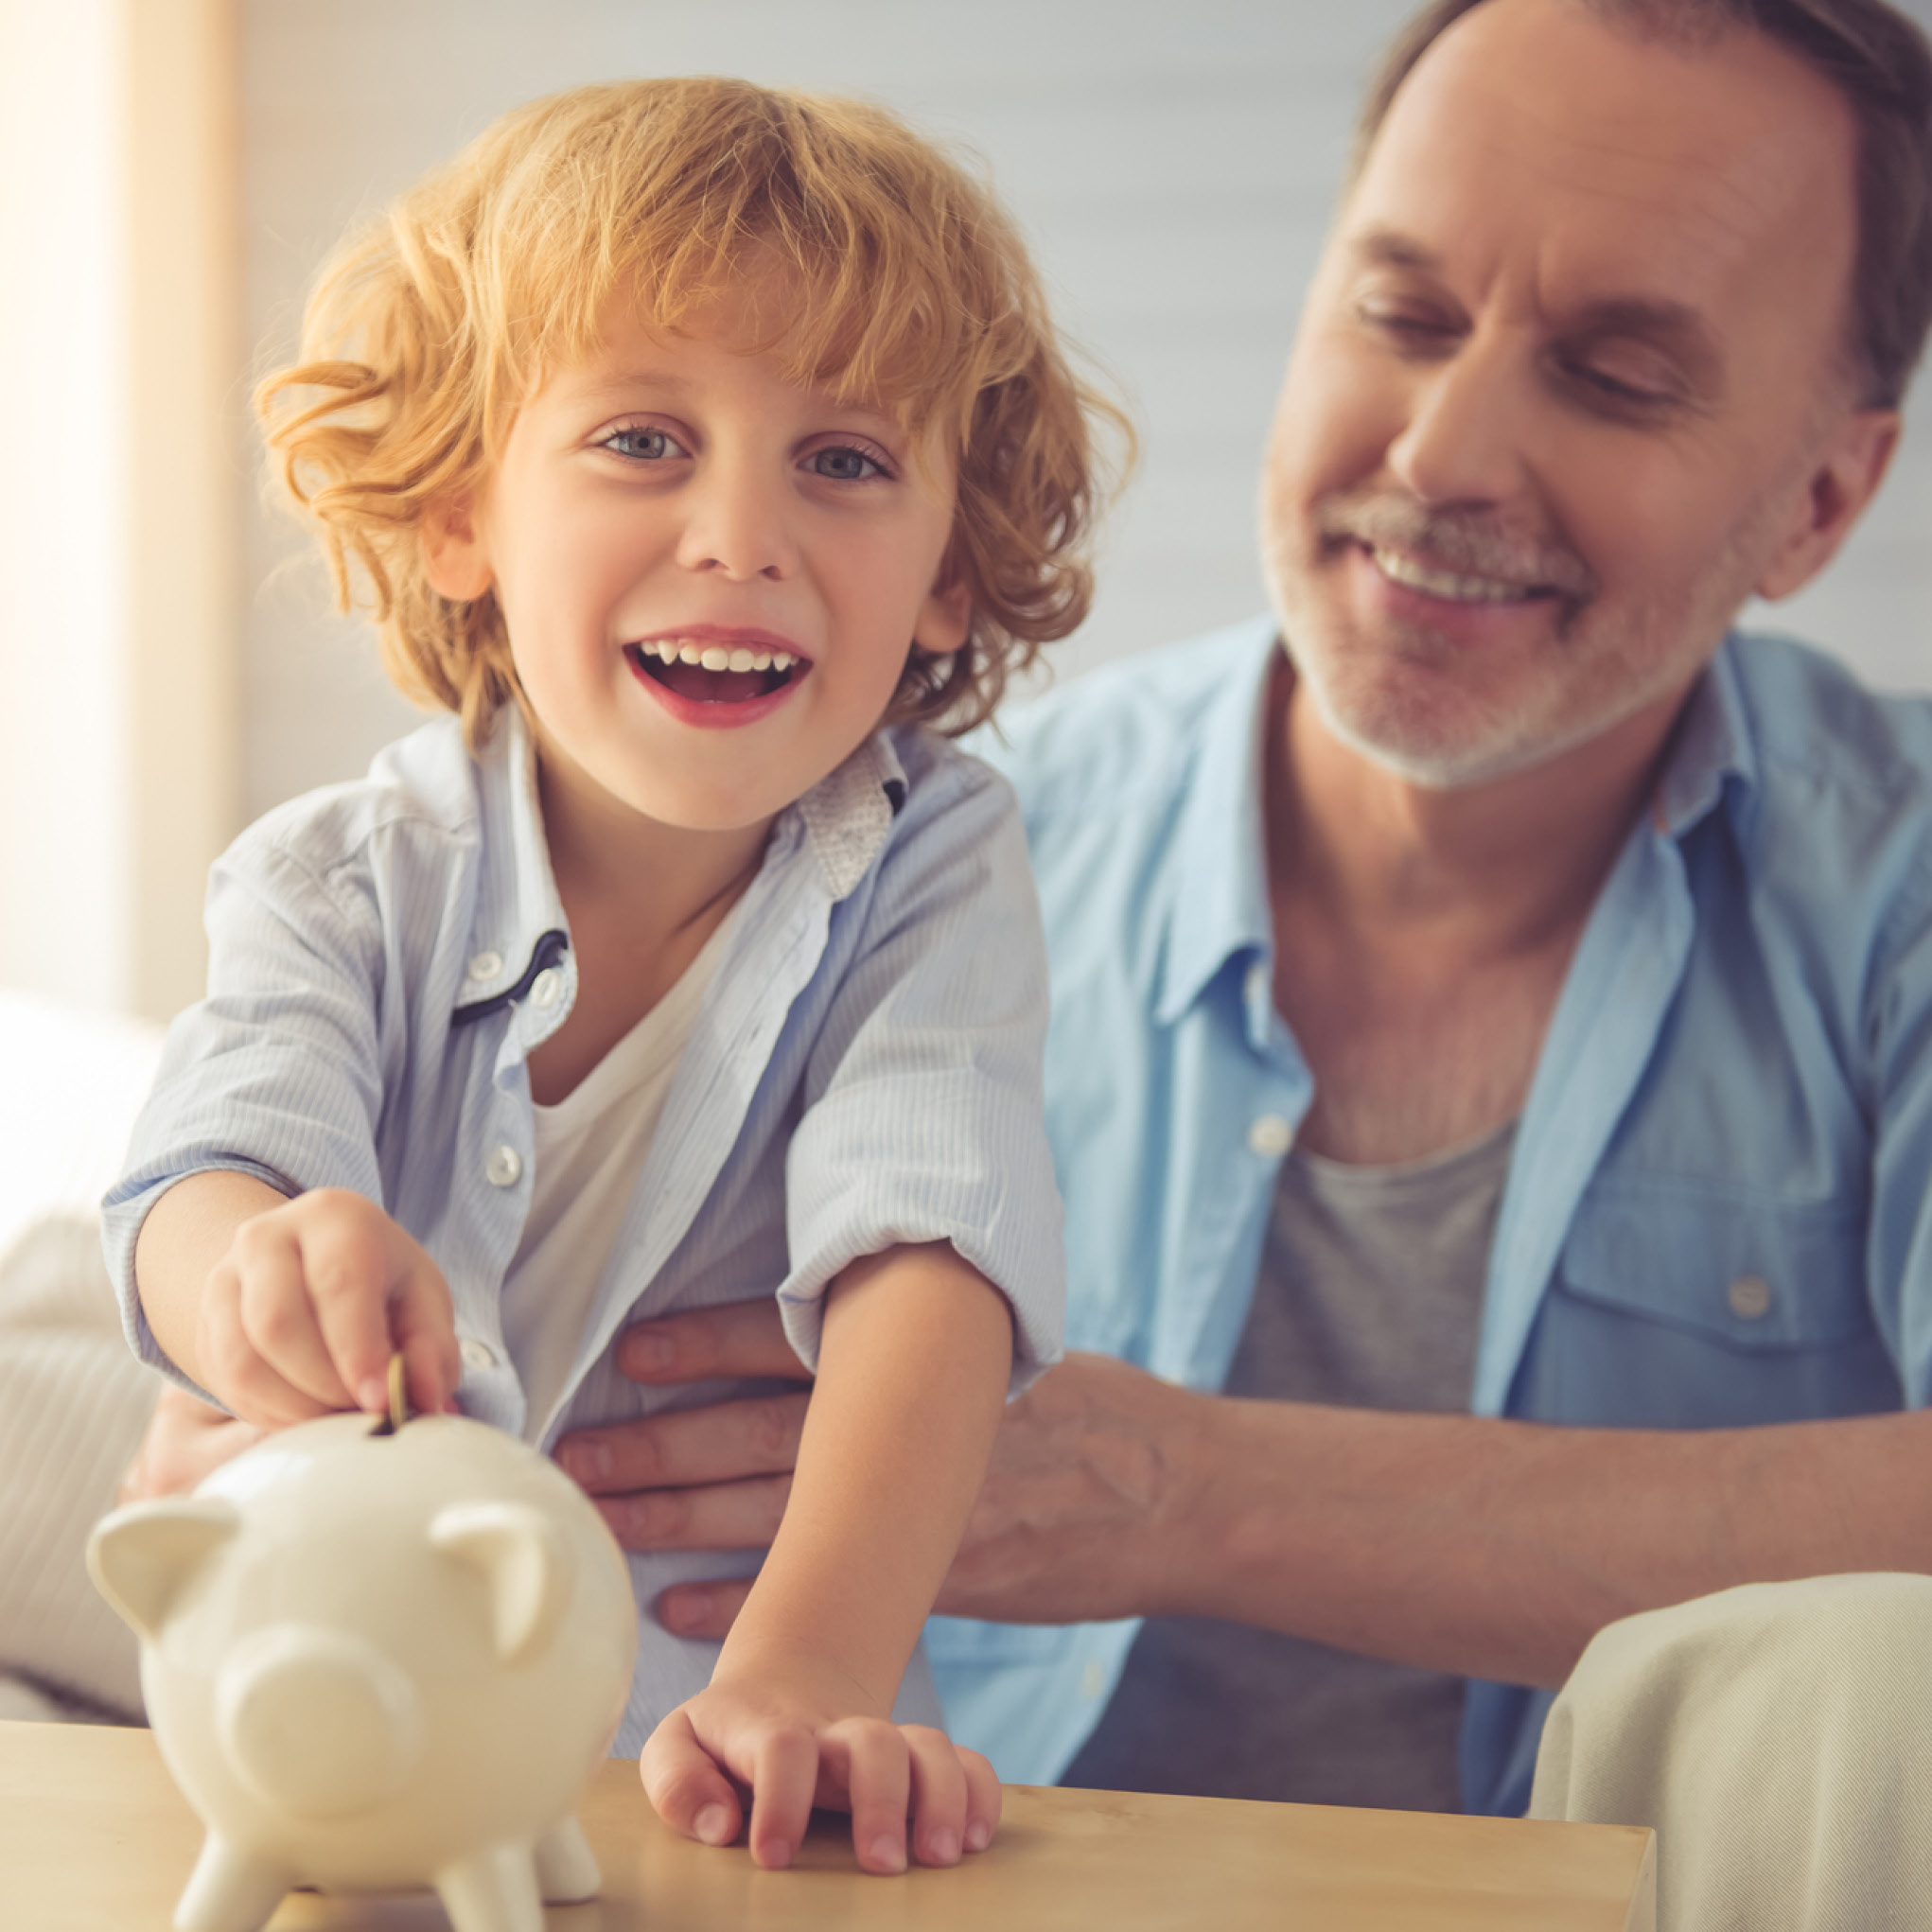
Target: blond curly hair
<point>427,330</point>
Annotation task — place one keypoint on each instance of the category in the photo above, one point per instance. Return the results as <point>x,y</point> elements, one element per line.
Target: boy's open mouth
<point>703,672</point>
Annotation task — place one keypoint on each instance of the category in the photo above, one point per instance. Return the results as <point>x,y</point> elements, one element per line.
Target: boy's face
<point>672,498</point>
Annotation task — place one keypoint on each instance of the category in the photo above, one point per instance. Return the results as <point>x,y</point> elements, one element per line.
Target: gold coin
<point>398,1393</point>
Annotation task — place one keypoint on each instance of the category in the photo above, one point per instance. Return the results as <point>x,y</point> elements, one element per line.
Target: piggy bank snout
<point>319,1721</point>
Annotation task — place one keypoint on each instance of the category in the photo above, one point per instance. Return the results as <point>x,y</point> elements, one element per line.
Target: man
<point>1519,871</point>
<point>1512,998</point>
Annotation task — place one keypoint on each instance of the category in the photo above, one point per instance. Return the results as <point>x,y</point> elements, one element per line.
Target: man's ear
<point>946,619</point>
<point>455,558</point>
<point>1843,479</point>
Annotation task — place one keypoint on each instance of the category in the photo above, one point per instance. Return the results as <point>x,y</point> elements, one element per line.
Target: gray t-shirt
<point>1369,1296</point>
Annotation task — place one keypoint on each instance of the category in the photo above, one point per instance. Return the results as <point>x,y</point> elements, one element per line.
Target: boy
<point>686,434</point>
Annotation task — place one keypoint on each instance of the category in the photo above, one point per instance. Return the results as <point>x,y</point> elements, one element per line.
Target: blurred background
<point>171,171</point>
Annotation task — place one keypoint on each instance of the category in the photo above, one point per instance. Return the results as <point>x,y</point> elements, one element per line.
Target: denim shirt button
<point>1749,1297</point>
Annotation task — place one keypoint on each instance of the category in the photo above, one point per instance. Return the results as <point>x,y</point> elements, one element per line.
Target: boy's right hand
<point>303,1312</point>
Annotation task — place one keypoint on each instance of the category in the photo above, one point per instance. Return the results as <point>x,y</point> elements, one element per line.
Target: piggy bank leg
<point>566,1865</point>
<point>493,1892</point>
<point>231,1890</point>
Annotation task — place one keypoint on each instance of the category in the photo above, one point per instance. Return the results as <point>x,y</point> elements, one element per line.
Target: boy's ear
<point>946,619</point>
<point>455,559</point>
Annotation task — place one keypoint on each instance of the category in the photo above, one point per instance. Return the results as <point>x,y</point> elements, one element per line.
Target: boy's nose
<point>738,527</point>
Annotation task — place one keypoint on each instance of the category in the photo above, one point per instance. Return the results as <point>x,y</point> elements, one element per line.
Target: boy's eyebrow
<point>612,382</point>
<point>618,382</point>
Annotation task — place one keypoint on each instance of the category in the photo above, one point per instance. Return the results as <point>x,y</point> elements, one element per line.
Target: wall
<point>1173,165</point>
<point>64,912</point>
<point>119,478</point>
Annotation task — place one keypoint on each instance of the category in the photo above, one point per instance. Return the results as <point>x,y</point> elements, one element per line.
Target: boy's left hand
<point>791,1743</point>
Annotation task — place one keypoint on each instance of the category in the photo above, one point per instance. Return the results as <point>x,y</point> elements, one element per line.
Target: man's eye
<point>842,463</point>
<point>1618,392</point>
<point>642,445</point>
<point>1410,329</point>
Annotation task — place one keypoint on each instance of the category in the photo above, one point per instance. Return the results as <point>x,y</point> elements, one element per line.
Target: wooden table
<point>94,1838</point>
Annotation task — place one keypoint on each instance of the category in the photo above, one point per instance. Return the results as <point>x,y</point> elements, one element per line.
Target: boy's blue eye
<point>843,465</point>
<point>648,445</point>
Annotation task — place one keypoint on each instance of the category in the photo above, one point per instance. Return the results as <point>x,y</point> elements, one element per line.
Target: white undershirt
<point>589,1150</point>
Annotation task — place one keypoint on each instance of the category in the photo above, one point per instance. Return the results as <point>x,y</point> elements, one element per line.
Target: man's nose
<point>1463,441</point>
<point>737,523</point>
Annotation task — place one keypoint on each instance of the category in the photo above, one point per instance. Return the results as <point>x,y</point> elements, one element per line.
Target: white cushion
<point>72,1400</point>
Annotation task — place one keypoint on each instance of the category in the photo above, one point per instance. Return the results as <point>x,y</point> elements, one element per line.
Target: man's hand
<point>1074,1521</point>
<point>186,1440</point>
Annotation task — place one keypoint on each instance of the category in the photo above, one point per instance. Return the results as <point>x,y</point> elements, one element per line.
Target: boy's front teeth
<point>716,658</point>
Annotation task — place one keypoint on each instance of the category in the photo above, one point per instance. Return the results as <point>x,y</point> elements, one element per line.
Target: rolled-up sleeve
<point>925,1117</point>
<point>277,1072</point>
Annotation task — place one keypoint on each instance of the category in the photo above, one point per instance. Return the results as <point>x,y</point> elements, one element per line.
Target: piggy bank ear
<point>519,1556</point>
<point>140,1557</point>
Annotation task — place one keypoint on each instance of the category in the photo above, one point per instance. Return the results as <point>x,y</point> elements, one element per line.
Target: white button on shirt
<point>478,1354</point>
<point>1269,1137</point>
<point>547,988</point>
<point>504,1168</point>
<point>485,966</point>
<point>1749,1297</point>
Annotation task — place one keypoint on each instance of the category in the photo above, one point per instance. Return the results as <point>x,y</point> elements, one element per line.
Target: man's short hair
<point>1879,60</point>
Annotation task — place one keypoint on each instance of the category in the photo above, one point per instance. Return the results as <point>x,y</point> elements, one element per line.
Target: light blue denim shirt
<point>1718,1211</point>
<point>865,1069</point>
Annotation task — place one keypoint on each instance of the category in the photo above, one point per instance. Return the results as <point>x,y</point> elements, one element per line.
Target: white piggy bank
<point>378,1660</point>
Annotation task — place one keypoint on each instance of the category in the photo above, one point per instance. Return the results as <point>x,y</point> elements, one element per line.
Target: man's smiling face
<point>1570,385</point>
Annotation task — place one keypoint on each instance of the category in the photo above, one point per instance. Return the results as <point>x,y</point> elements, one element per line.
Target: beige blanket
<point>1779,1739</point>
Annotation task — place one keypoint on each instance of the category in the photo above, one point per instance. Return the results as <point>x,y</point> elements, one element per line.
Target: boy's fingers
<point>233,1369</point>
<point>282,1325</point>
<point>701,1609</point>
<point>982,1799</point>
<point>785,1775</point>
<point>685,1786</point>
<point>424,1324</point>
<point>739,1339</point>
<point>347,1268</point>
<point>879,1785</point>
<point>938,1795</point>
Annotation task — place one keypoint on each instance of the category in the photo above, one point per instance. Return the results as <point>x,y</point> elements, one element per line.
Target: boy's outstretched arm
<point>287,1309</point>
<point>914,1361</point>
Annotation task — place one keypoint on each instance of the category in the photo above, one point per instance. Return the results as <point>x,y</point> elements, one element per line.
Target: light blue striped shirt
<point>865,1069</point>
<point>1718,1211</point>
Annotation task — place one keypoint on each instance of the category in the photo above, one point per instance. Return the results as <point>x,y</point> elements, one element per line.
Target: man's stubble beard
<point>1401,705</point>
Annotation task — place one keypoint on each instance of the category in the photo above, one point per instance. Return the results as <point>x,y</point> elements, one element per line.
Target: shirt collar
<point>518,908</point>
<point>1219,907</point>
<point>1712,741</point>
<point>1220,910</point>
<point>849,812</point>
<point>520,925</point>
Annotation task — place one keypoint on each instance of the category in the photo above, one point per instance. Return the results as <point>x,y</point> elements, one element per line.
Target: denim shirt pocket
<point>1680,1305</point>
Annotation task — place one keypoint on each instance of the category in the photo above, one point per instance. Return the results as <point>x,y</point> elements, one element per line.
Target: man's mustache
<point>1473,544</point>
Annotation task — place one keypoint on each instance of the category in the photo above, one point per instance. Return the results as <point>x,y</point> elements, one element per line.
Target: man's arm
<point>1493,1549</point>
